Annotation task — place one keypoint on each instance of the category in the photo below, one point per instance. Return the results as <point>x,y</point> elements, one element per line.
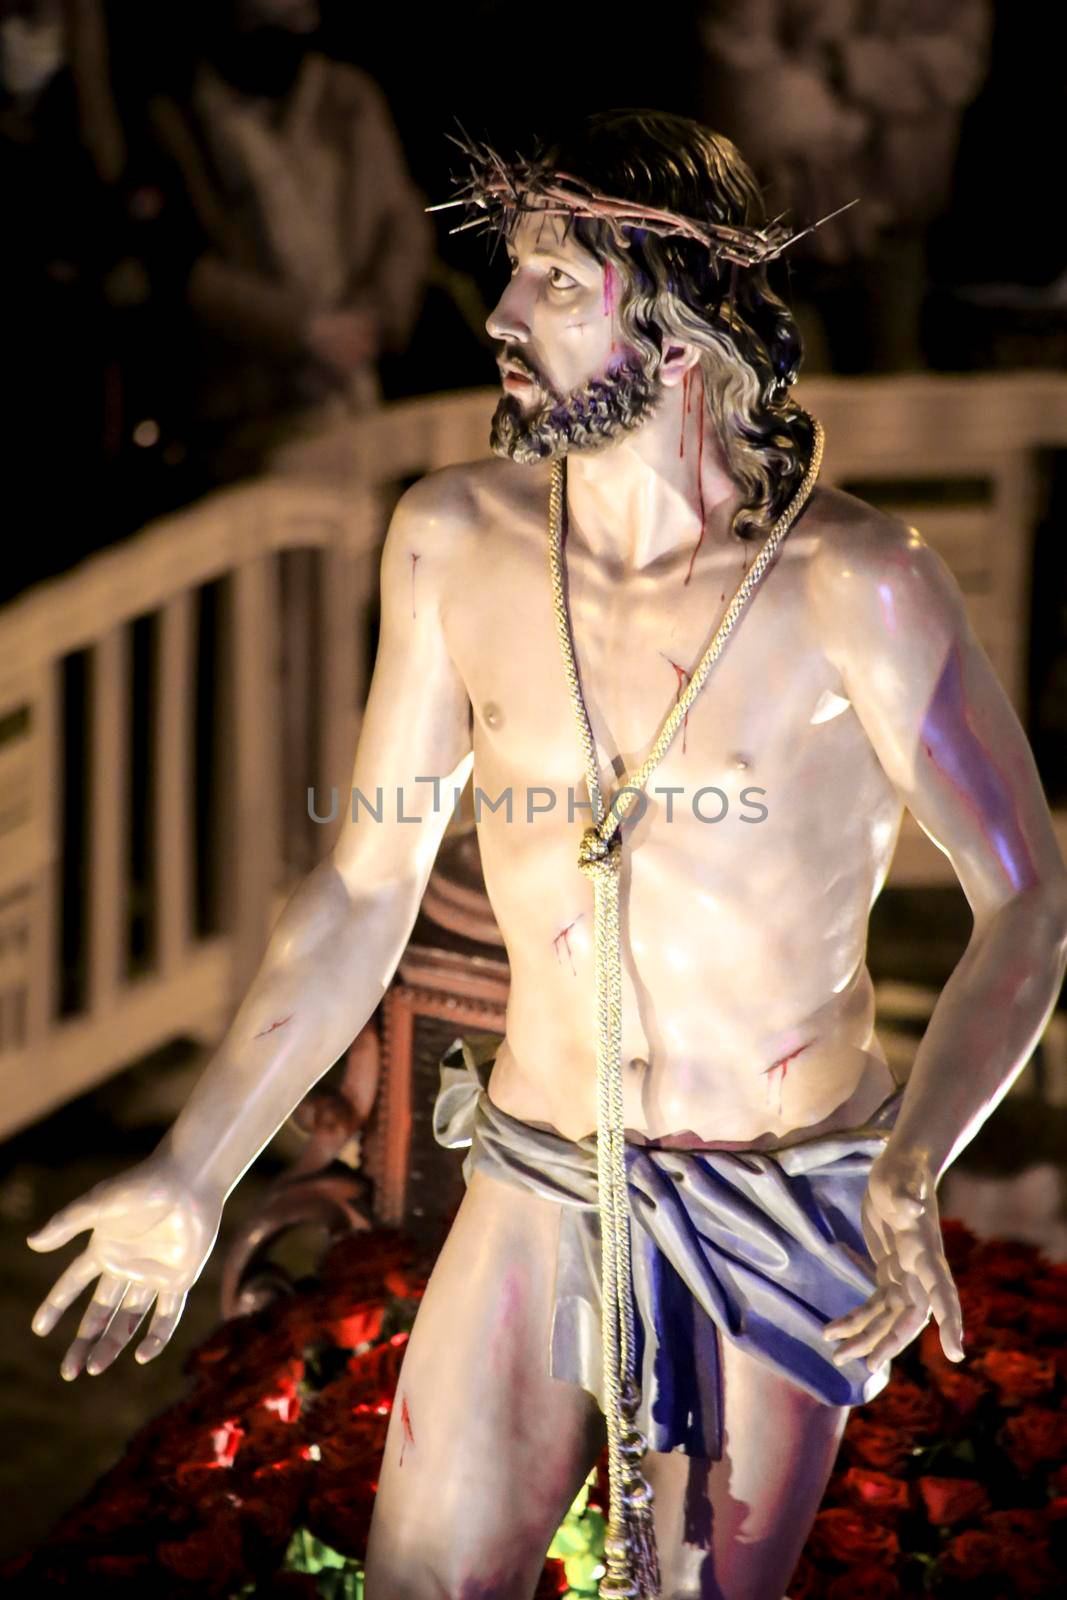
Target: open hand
<point>903,1233</point>
<point>151,1236</point>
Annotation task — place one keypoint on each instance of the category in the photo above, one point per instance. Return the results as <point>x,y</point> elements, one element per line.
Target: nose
<point>507,320</point>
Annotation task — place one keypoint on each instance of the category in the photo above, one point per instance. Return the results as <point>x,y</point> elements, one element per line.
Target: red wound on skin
<point>607,304</point>
<point>405,1423</point>
<point>414,560</point>
<point>683,679</point>
<point>700,482</point>
<point>782,1066</point>
<point>564,936</point>
<point>685,412</point>
<point>279,1024</point>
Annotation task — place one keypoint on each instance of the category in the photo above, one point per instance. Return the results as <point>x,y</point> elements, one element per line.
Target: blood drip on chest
<point>563,937</point>
<point>683,679</point>
<point>701,513</point>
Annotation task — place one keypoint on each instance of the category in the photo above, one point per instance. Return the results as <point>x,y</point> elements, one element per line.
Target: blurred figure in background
<point>90,276</point>
<point>317,248</point>
<point>837,100</point>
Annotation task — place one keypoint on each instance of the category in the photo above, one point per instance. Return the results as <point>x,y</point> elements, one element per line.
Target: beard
<point>591,417</point>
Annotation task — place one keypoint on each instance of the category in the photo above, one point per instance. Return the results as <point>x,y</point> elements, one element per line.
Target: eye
<point>558,279</point>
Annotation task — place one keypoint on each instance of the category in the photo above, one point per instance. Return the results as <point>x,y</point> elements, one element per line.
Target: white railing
<point>292,560</point>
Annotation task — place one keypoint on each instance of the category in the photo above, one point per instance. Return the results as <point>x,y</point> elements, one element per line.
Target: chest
<point>638,639</point>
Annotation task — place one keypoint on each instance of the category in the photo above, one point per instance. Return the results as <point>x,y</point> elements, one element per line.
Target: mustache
<point>513,358</point>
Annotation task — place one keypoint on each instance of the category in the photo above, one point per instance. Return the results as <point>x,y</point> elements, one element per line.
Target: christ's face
<point>569,380</point>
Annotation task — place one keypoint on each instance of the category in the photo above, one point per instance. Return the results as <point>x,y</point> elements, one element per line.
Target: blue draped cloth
<point>760,1247</point>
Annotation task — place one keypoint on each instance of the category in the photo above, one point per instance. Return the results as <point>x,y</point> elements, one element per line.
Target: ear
<point>677,360</point>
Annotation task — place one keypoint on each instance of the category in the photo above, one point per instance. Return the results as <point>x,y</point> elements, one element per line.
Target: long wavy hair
<point>672,288</point>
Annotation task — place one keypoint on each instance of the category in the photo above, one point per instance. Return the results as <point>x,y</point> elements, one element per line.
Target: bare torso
<point>748,1013</point>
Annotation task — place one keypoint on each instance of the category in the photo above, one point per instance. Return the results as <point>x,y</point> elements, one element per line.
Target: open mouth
<point>516,379</point>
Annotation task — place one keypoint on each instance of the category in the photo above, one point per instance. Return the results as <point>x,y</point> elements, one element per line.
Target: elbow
<point>1057,911</point>
<point>1045,905</point>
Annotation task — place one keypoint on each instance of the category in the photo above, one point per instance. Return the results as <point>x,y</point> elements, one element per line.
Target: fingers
<point>168,1311</point>
<point>885,1334</point>
<point>98,1315</point>
<point>68,1286</point>
<point>121,1328</point>
<point>878,1318</point>
<point>855,1321</point>
<point>72,1219</point>
<point>932,1272</point>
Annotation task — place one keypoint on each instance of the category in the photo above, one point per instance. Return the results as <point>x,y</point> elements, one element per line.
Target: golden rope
<point>632,1567</point>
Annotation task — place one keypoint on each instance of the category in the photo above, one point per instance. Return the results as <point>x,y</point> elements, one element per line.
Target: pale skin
<point>852,688</point>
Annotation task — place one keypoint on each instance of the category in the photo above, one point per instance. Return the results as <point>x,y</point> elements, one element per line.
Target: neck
<point>651,496</point>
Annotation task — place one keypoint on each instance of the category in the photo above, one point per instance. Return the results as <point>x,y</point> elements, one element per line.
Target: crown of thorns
<point>494,191</point>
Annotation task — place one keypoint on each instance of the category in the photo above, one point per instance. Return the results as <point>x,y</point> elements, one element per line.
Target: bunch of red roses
<point>952,1481</point>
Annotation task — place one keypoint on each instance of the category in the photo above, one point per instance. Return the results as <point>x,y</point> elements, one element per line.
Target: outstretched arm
<point>948,738</point>
<point>337,944</point>
<point>330,958</point>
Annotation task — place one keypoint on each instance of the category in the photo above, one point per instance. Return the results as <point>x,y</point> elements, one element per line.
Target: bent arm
<point>337,943</point>
<point>949,740</point>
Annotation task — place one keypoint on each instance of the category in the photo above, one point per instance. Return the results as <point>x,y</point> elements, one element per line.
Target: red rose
<point>114,1509</point>
<point>117,1567</point>
<point>404,1283</point>
<point>1057,1480</point>
<point>807,1582</point>
<point>961,1391</point>
<point>1029,1566</point>
<point>839,1534</point>
<point>553,1581</point>
<point>340,1517</point>
<point>1034,1436</point>
<point>949,1500</point>
<point>1017,1377</point>
<point>360,1262</point>
<point>874,1446</point>
<point>353,1325</point>
<point>1005,1261</point>
<point>226,1441</point>
<point>211,1555</point>
<point>958,1243</point>
<point>971,1555</point>
<point>874,1491</point>
<point>1050,1285</point>
<point>1046,1321</point>
<point>272,1504</point>
<point>1028,1523</point>
<point>867,1582</point>
<point>907,1409</point>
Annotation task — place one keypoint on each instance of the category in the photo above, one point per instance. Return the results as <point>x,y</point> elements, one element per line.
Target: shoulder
<point>348,87</point>
<point>875,584</point>
<point>457,509</point>
<point>464,496</point>
<point>861,555</point>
